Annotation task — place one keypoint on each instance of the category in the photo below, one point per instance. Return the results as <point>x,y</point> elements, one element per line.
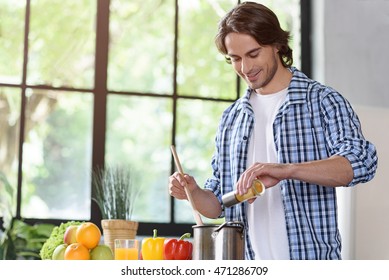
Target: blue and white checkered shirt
<point>314,123</point>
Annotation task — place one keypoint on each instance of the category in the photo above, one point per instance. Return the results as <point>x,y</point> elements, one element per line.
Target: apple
<point>101,252</point>
<point>59,252</point>
<point>70,235</point>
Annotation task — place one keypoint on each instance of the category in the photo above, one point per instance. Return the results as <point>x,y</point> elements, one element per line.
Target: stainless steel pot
<point>219,242</point>
<point>203,243</point>
<point>229,241</point>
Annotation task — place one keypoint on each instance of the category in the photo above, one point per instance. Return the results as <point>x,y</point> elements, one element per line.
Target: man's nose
<point>246,65</point>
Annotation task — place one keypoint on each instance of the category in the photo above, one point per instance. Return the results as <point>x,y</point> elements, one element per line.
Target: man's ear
<point>277,48</point>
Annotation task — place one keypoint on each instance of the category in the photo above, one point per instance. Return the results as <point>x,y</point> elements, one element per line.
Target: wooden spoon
<point>196,214</point>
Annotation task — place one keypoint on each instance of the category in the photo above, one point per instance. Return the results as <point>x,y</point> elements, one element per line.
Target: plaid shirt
<point>315,122</point>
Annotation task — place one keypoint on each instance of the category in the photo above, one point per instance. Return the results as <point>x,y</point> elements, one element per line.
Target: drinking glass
<point>126,249</point>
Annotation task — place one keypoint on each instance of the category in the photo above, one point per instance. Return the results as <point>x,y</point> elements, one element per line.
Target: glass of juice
<point>126,249</point>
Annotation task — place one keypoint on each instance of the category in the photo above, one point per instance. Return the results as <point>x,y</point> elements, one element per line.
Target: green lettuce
<point>55,239</point>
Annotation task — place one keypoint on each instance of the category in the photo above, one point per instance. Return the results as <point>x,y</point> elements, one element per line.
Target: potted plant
<point>115,195</point>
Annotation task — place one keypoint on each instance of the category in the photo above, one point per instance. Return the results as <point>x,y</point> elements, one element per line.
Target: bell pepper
<point>152,248</point>
<point>178,249</point>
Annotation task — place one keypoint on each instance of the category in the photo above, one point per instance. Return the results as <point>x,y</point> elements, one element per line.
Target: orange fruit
<point>76,251</point>
<point>88,234</point>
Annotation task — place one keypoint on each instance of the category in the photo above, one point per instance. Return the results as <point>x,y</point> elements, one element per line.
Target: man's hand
<point>177,183</point>
<point>269,174</point>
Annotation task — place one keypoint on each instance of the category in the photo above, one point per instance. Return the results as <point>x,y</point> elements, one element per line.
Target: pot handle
<point>238,224</point>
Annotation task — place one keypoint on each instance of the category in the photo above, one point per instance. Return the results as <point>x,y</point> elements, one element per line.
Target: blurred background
<point>89,83</point>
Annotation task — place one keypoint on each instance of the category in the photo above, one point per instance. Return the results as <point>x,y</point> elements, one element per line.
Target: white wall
<point>351,50</point>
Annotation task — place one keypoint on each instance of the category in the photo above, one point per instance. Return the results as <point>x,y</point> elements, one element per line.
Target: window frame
<point>101,92</point>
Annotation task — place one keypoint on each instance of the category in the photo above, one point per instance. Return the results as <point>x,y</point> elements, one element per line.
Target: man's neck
<point>280,81</point>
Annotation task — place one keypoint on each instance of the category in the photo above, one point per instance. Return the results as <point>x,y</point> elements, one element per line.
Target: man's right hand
<point>177,183</point>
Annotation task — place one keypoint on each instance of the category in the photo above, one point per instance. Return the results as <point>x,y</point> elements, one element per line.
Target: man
<point>300,138</point>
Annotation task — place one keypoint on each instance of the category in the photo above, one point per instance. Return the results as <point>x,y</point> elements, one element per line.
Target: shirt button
<point>244,138</point>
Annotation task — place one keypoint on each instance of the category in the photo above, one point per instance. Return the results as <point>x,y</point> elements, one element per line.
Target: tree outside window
<point>164,82</point>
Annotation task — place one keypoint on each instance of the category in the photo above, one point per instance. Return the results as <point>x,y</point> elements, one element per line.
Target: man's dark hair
<point>259,22</point>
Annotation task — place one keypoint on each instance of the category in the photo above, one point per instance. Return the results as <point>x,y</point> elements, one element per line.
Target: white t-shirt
<point>266,216</point>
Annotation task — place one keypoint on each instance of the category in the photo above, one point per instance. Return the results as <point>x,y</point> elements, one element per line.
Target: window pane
<point>202,70</point>
<point>197,122</point>
<point>57,155</point>
<point>9,147</point>
<point>139,135</point>
<point>62,43</point>
<point>11,40</point>
<point>141,46</point>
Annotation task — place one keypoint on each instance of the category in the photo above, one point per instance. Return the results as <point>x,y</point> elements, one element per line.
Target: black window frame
<point>101,93</point>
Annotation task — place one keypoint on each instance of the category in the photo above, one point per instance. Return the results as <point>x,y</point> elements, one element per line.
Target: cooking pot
<point>219,242</point>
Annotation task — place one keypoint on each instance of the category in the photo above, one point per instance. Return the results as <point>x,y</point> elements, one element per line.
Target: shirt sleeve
<point>214,183</point>
<point>346,139</point>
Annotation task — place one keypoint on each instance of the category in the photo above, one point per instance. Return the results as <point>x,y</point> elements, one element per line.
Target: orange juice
<point>126,253</point>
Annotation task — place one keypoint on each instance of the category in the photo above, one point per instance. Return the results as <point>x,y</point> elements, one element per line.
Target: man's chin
<point>253,85</point>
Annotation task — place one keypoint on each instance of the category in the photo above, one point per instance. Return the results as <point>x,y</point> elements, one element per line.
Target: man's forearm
<point>332,172</point>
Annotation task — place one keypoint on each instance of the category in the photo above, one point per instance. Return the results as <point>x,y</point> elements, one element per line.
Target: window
<point>112,82</point>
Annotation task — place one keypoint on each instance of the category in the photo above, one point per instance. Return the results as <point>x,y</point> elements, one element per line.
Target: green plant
<point>22,241</point>
<point>19,240</point>
<point>7,247</point>
<point>113,191</point>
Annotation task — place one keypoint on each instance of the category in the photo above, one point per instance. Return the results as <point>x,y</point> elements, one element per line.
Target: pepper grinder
<point>232,198</point>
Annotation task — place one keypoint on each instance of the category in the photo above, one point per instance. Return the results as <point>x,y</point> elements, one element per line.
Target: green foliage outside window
<point>142,93</point>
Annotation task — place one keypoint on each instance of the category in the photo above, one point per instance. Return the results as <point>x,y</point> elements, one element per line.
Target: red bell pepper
<point>178,249</point>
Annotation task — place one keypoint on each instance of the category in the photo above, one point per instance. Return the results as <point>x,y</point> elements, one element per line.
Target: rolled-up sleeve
<point>346,139</point>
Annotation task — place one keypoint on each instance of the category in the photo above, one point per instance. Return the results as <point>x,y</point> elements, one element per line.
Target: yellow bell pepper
<point>152,248</point>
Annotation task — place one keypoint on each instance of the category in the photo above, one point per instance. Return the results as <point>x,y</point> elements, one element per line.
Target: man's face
<point>256,64</point>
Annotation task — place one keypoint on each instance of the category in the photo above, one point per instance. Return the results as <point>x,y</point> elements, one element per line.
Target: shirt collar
<point>298,87</point>
<point>297,90</point>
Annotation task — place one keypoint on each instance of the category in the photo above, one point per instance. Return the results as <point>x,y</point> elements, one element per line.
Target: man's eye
<point>235,59</point>
<point>254,55</point>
